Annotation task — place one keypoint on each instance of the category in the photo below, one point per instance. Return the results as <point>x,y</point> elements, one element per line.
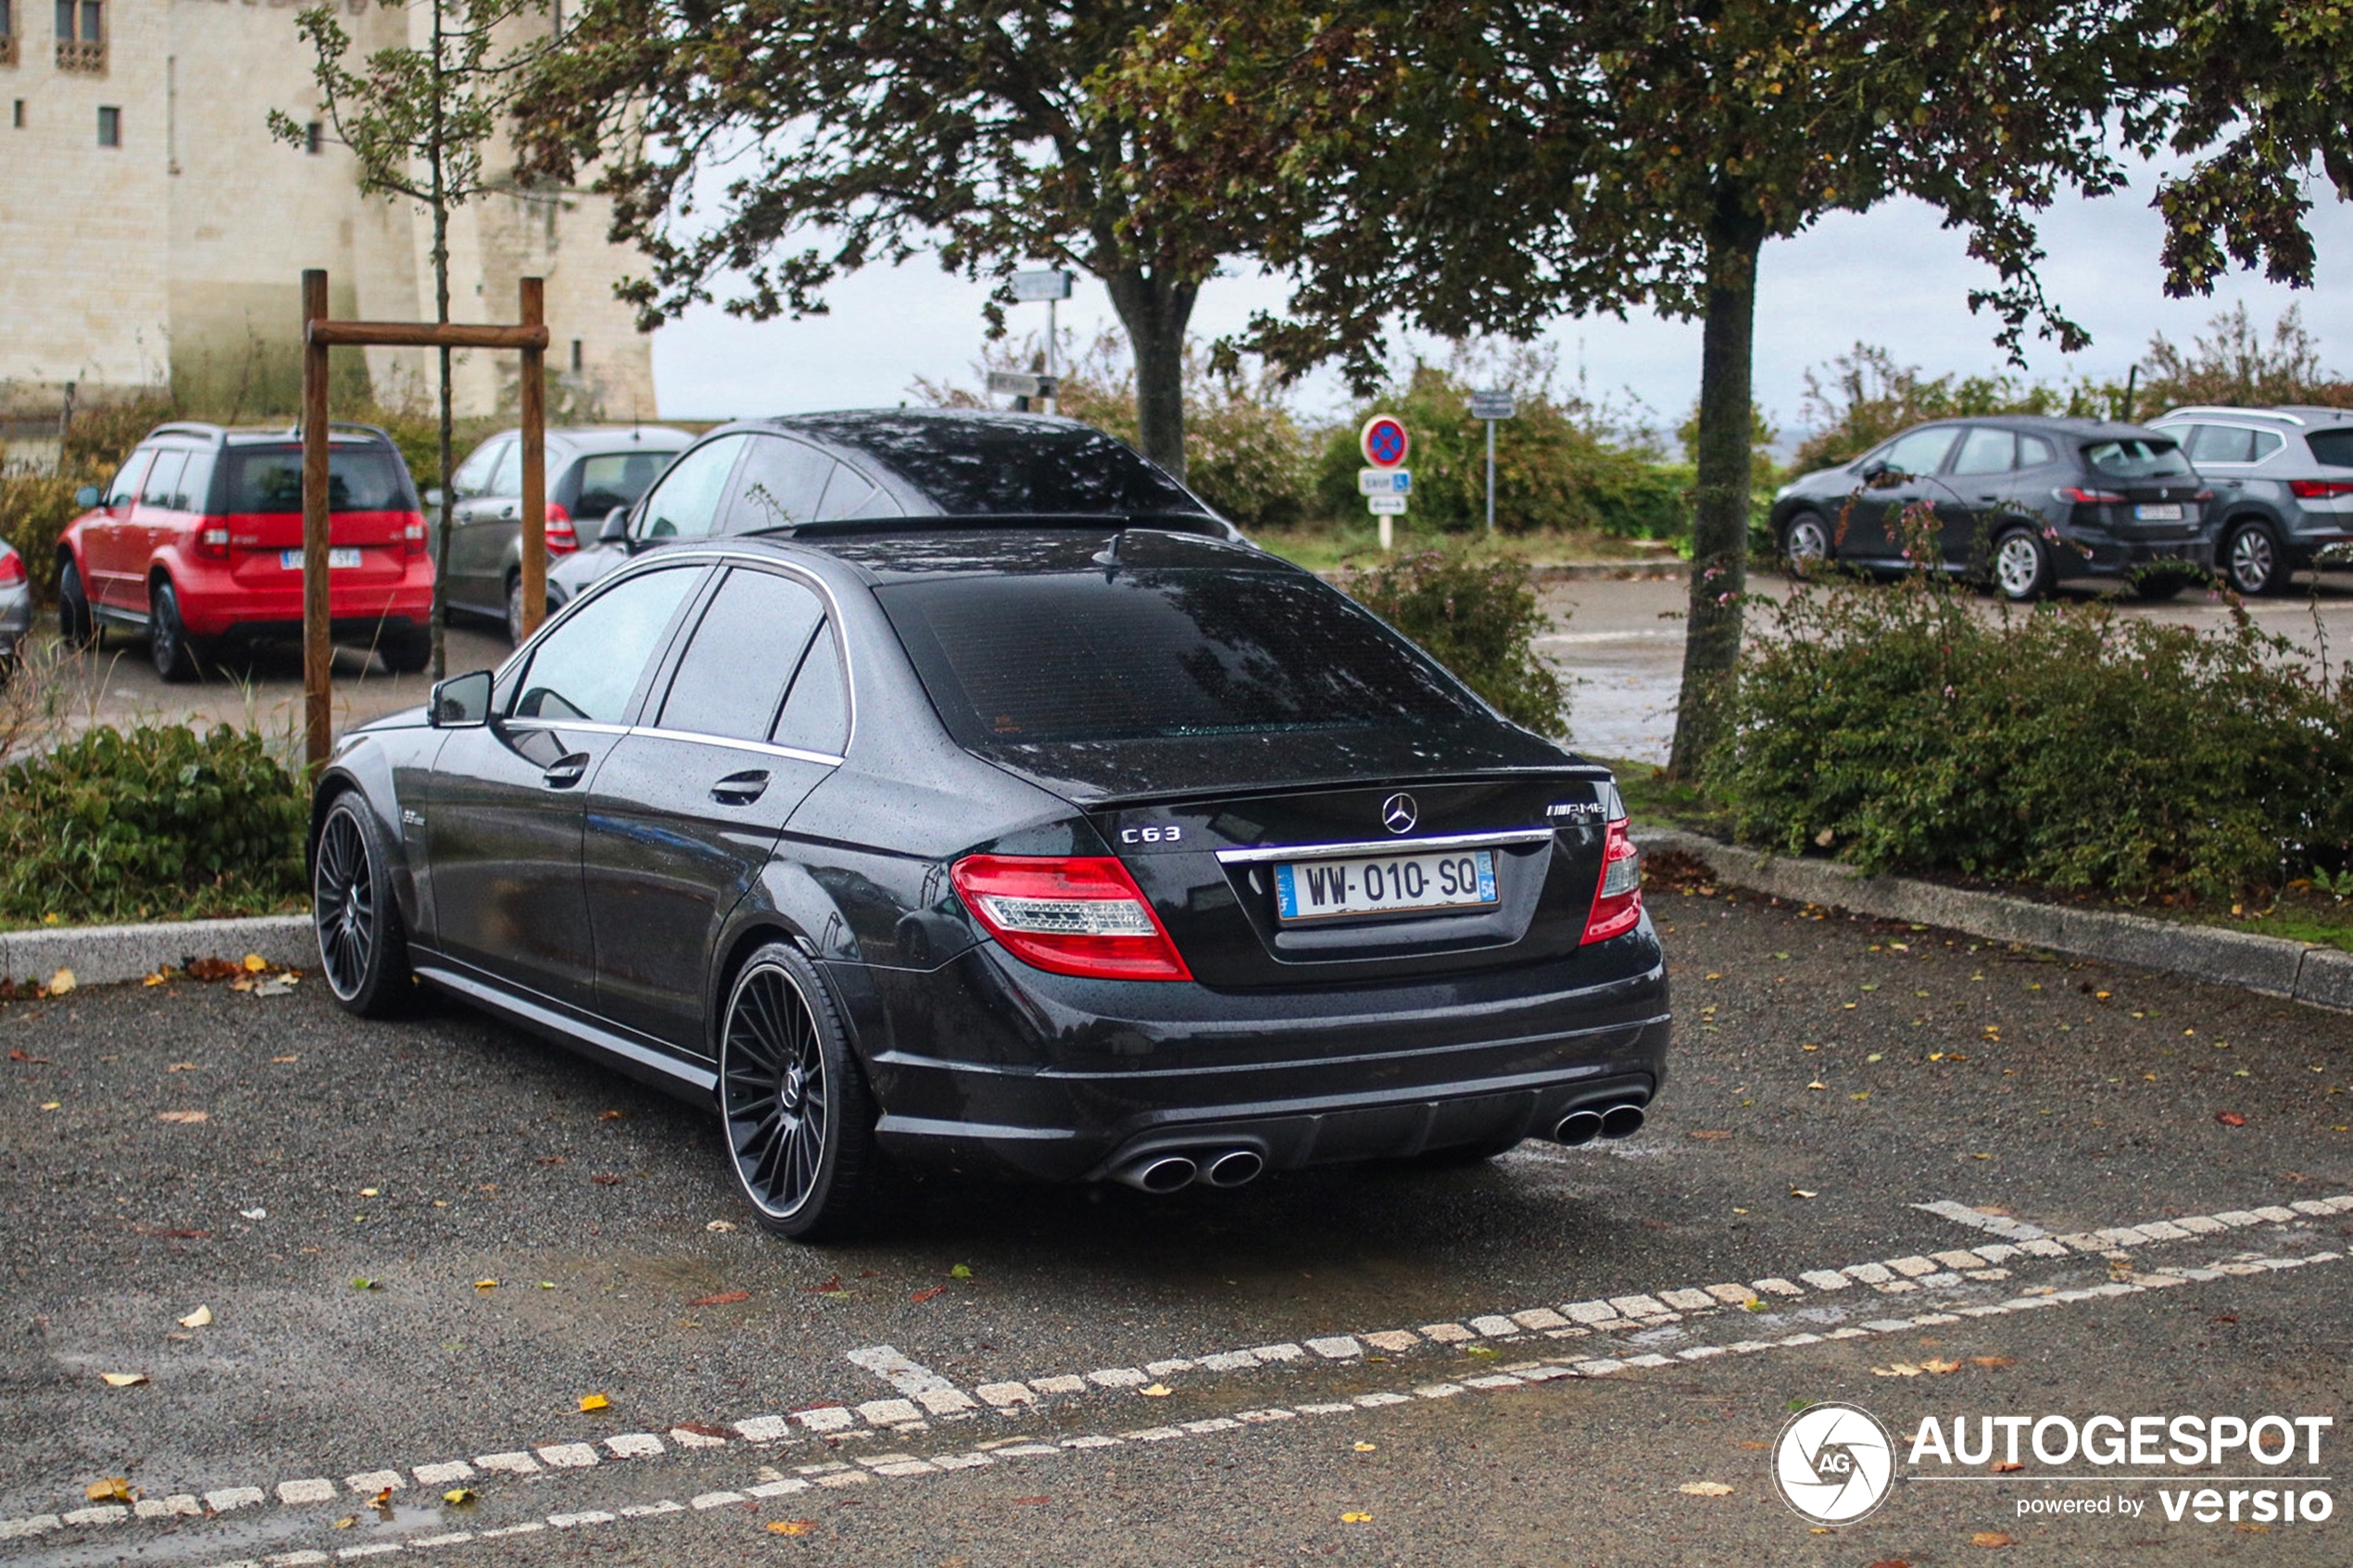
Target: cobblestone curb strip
<point>2272,965</point>
<point>99,955</point>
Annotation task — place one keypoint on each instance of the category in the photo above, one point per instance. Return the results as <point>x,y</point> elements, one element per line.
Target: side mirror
<point>1872,471</point>
<point>460,701</point>
<point>614,530</point>
<point>432,495</point>
<point>86,497</point>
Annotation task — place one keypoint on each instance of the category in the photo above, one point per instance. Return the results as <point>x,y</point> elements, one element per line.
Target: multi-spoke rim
<point>773,1086</point>
<point>2018,564</point>
<point>2251,560</point>
<point>1807,543</point>
<point>344,903</point>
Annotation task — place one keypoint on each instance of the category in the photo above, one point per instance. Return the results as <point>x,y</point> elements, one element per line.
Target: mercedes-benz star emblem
<point>1398,814</point>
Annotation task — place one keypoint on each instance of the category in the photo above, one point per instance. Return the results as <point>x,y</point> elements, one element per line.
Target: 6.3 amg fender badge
<point>1398,814</point>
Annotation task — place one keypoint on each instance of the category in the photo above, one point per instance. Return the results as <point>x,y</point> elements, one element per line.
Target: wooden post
<point>534,462</point>
<point>318,646</point>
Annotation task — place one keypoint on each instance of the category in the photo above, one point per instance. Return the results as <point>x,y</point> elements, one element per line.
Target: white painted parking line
<point>910,1377</point>
<point>1999,1224</point>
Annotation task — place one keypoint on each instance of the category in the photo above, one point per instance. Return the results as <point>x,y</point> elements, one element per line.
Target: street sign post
<point>1385,507</point>
<point>1490,405</point>
<point>1052,286</point>
<point>1023,384</point>
<point>1385,444</point>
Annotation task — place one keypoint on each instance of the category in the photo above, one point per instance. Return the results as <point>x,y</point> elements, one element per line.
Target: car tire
<point>169,644</point>
<point>2021,566</point>
<point>795,1112</point>
<point>363,947</point>
<point>1805,543</point>
<point>514,610</point>
<point>2253,562</point>
<point>406,650</point>
<point>74,623</point>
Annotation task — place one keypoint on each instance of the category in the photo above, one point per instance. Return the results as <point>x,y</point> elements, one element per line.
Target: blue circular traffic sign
<point>1385,441</point>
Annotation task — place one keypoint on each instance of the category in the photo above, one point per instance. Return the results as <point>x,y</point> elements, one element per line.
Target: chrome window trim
<point>1256,853</point>
<point>757,747</point>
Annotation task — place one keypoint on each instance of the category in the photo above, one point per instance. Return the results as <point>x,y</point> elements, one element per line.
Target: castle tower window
<point>576,356</point>
<point>109,126</point>
<point>8,32</point>
<point>82,37</point>
<point>314,137</point>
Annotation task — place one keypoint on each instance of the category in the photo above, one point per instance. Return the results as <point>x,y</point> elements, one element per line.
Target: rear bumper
<point>2111,556</point>
<point>1065,1079</point>
<point>215,601</point>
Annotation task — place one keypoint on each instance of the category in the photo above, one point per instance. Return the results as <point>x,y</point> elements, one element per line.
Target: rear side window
<point>744,649</point>
<point>196,484</point>
<point>2136,460</point>
<point>359,479</point>
<point>2332,449</point>
<point>473,477</point>
<point>162,487</point>
<point>1172,652</point>
<point>586,668</point>
<point>507,478</point>
<point>816,716</point>
<point>782,482</point>
<point>981,466</point>
<point>685,504</point>
<point>616,479</point>
<point>2230,443</point>
<point>2033,452</point>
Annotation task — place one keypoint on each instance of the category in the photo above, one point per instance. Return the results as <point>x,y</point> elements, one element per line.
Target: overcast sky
<point>1891,277</point>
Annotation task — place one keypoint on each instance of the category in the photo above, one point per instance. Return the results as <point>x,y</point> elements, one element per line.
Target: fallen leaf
<point>2003,1467</point>
<point>831,1288</point>
<point>1901,1368</point>
<point>371,1192</point>
<point>607,1181</point>
<point>2229,1119</point>
<point>1712,1133</point>
<point>594,1402</point>
<point>382,1499</point>
<point>34,1061</point>
<point>182,1067</point>
<point>286,1058</point>
<point>1753,1445</point>
<point>1484,1352</point>
<point>61,982</point>
<point>1801,1192</point>
<point>720,1227</point>
<point>611,1115</point>
<point>1890,1562</point>
<point>791,1527</point>
<point>346,1522</point>
<point>197,1319</point>
<point>458,1497</point>
<point>1990,1361</point>
<point>184,1118</point>
<point>256,963</point>
<point>1818,1083</point>
<point>52,1104</point>
<point>1940,1367</point>
<point>1705,1488</point>
<point>158,978</point>
<point>1989,1538</point>
<point>364,1283</point>
<point>211,970</point>
<point>961,1270</point>
<point>927,1293</point>
<point>1355,1518</point>
<point>123,1379</point>
<point>114,1488</point>
<point>1367,1447</point>
<point>486,1285</point>
<point>724,1299</point>
<point>1157,1391</point>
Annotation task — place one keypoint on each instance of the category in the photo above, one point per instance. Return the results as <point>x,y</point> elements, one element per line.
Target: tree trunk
<point>1155,312</point>
<point>436,149</point>
<point>1720,524</point>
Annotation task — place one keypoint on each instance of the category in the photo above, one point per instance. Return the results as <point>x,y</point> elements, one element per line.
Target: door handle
<point>740,789</point>
<point>1989,498</point>
<point>566,772</point>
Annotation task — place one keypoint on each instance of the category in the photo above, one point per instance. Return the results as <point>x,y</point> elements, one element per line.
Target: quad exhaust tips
<point>1166,1173</point>
<point>1582,1126</point>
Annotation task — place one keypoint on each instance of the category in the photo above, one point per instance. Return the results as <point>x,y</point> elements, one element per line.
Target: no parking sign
<point>1384,441</point>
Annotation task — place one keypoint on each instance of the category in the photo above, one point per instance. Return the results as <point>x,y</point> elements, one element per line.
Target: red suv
<point>198,543</point>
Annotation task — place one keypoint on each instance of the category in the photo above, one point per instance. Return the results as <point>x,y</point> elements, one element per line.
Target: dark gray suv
<point>2023,501</point>
<point>2282,483</point>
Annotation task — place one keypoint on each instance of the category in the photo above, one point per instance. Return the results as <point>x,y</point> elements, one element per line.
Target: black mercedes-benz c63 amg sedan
<point>1101,853</point>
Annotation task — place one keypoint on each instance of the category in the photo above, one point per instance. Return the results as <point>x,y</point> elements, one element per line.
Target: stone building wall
<point>174,259</point>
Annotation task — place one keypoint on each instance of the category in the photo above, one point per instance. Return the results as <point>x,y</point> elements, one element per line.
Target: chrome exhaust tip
<point>1163,1173</point>
<point>1234,1168</point>
<point>1622,1121</point>
<point>1577,1128</point>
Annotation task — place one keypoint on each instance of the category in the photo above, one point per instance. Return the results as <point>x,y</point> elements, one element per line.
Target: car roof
<point>2056,424</point>
<point>2297,414</point>
<point>263,435</point>
<point>878,557</point>
<point>666,438</point>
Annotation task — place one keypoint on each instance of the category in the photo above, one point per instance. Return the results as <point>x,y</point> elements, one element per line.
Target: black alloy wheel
<point>362,946</point>
<point>799,1122</point>
<point>167,640</point>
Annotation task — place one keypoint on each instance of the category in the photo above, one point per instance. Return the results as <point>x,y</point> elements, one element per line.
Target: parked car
<point>15,605</point>
<point>1096,851</point>
<point>2026,502</point>
<point>862,469</point>
<point>591,469</point>
<point>2282,483</point>
<point>197,543</point>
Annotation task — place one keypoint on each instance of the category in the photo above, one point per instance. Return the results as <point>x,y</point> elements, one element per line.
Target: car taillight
<point>12,573</point>
<point>1618,900</point>
<point>2318,489</point>
<point>2083,498</point>
<point>412,535</point>
<point>561,537</point>
<point>212,544</point>
<point>1080,915</point>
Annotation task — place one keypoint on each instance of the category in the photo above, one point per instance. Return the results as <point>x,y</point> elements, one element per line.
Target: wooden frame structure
<point>528,337</point>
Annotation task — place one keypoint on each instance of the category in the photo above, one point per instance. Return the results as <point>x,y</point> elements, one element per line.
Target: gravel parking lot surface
<point>1502,1364</point>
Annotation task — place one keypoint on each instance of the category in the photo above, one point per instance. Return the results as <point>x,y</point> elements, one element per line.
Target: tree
<point>1484,165</point>
<point>417,121</point>
<point>889,127</point>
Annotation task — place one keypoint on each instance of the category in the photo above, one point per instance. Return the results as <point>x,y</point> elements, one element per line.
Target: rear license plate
<point>1308,890</point>
<point>337,558</point>
<point>2169,512</point>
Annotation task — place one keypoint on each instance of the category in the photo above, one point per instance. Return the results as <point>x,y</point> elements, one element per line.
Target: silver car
<point>16,603</point>
<point>2283,481</point>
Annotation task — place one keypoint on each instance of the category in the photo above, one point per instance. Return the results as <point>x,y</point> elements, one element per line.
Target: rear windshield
<point>2332,448</point>
<point>2136,460</point>
<point>1133,655</point>
<point>1006,466</point>
<point>359,479</point>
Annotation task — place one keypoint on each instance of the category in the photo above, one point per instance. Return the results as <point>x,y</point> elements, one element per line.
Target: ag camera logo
<point>1833,1463</point>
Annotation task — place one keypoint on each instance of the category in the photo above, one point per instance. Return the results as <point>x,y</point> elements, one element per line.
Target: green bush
<point>1553,471</point>
<point>160,822</point>
<point>1476,617</point>
<point>34,509</point>
<point>2069,746</point>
